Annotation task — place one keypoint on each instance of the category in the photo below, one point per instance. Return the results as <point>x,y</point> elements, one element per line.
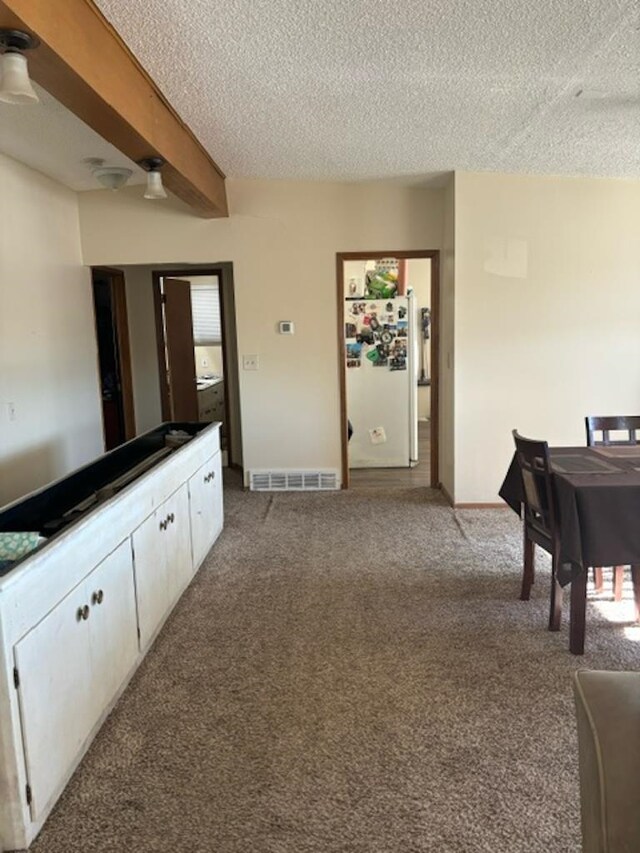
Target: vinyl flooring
<point>398,478</point>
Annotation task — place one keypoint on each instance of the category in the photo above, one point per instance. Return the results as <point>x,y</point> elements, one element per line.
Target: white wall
<point>282,238</point>
<point>547,314</point>
<point>48,352</point>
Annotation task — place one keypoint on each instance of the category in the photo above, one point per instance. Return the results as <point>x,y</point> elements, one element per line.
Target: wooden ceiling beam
<point>85,65</point>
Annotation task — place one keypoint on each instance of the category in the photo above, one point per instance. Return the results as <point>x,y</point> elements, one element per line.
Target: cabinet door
<point>205,499</point>
<point>178,543</point>
<point>162,561</point>
<point>113,626</point>
<point>150,569</point>
<point>56,707</point>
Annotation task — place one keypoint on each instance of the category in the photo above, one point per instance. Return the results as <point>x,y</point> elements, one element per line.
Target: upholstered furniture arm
<point>608,714</point>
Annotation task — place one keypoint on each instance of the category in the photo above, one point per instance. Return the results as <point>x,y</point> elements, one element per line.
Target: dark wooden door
<point>114,358</point>
<point>181,363</point>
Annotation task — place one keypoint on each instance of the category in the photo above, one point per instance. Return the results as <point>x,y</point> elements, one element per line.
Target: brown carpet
<point>348,672</point>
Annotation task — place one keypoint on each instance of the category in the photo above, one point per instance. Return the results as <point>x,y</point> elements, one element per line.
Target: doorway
<point>114,357</point>
<point>388,337</point>
<point>197,350</point>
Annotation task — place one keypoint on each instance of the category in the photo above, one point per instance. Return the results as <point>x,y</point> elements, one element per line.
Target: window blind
<point>205,310</point>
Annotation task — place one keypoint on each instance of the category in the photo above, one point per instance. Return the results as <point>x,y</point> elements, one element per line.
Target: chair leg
<point>618,578</point>
<point>555,607</point>
<point>598,582</point>
<point>529,567</point>
<point>635,575</point>
<point>578,613</point>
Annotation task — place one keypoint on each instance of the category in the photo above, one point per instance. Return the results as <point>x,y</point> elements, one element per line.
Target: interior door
<point>181,364</point>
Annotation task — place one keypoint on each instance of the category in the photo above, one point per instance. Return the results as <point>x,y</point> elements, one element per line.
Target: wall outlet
<point>250,362</point>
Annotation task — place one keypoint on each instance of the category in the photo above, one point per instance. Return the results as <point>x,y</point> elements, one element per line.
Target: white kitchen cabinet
<point>163,565</point>
<point>113,624</point>
<point>77,616</point>
<point>68,665</point>
<point>211,402</point>
<point>205,504</point>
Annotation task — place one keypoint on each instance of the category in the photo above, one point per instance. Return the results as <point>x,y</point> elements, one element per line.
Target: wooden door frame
<point>428,254</point>
<point>121,320</point>
<point>193,272</point>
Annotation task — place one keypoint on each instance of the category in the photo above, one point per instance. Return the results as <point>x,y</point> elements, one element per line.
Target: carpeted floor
<point>348,672</point>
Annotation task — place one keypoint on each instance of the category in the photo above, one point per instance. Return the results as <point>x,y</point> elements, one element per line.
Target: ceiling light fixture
<point>15,85</point>
<point>111,177</point>
<point>155,188</point>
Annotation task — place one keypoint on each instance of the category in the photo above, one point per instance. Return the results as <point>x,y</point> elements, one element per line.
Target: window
<point>205,308</point>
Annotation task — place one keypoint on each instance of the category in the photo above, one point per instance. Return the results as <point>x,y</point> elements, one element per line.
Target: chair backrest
<point>599,430</point>
<point>539,505</point>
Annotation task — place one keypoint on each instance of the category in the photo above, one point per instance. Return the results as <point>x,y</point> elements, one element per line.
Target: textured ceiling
<point>50,139</point>
<point>356,89</point>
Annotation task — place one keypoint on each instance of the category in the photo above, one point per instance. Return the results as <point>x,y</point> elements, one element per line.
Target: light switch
<point>250,362</point>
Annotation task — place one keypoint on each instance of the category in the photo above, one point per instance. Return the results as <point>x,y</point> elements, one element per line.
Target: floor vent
<point>293,481</point>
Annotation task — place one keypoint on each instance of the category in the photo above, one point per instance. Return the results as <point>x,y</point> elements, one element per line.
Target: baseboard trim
<point>465,505</point>
<point>447,496</point>
<point>487,505</point>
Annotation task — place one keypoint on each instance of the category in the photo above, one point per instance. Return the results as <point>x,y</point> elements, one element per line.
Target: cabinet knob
<point>97,597</point>
<point>82,613</point>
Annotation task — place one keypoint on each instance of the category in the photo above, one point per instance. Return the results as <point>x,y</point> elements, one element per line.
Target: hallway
<point>399,478</point>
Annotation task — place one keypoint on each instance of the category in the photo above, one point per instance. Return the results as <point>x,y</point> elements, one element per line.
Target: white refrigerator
<point>381,363</point>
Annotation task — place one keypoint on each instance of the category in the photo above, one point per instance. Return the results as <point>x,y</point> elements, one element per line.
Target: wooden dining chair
<point>539,519</point>
<point>599,429</point>
<point>599,434</point>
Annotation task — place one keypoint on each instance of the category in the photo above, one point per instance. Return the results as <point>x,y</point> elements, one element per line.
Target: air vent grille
<point>293,481</point>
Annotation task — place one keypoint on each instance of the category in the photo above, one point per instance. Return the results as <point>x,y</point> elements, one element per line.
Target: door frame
<point>434,350</point>
<point>121,321</point>
<point>193,272</point>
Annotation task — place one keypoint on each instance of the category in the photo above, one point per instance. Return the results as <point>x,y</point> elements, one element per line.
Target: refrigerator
<point>382,364</point>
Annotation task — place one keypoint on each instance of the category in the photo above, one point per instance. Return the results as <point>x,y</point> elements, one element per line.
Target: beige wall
<point>209,360</point>
<point>547,314</point>
<point>144,351</point>
<point>48,357</point>
<point>282,238</point>
<point>447,340</point>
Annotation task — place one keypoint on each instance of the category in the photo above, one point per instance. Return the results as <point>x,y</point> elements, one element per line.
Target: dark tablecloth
<point>599,513</point>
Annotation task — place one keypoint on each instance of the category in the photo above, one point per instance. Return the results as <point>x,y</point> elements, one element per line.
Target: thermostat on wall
<point>286,327</point>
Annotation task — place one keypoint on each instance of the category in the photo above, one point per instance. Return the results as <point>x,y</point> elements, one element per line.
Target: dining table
<point>597,494</point>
